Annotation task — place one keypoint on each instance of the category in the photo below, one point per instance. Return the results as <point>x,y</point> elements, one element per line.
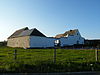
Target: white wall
<point>36,41</point>
<point>71,40</point>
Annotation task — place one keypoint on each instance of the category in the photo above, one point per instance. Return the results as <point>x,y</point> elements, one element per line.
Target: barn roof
<point>67,33</point>
<point>26,32</point>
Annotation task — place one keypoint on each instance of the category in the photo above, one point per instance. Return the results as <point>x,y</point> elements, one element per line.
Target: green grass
<point>41,60</point>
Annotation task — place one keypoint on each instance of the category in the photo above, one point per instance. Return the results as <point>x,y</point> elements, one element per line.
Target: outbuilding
<point>32,38</point>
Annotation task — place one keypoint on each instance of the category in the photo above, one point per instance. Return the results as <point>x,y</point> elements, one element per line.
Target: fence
<point>74,55</point>
<point>54,55</point>
<point>47,57</point>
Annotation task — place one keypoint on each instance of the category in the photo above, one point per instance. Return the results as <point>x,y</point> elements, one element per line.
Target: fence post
<point>96,54</point>
<point>54,55</point>
<point>15,54</point>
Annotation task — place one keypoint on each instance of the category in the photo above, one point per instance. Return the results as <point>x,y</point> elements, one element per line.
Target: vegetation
<point>3,43</point>
<point>41,60</point>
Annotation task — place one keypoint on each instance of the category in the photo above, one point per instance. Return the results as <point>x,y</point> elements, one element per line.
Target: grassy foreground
<point>41,60</point>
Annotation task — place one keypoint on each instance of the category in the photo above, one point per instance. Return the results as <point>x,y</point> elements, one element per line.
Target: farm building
<point>33,38</point>
<point>70,37</point>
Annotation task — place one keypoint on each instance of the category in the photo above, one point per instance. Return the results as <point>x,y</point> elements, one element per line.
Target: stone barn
<point>32,38</point>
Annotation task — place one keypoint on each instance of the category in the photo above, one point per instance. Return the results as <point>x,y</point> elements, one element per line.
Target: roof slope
<point>67,33</point>
<point>26,32</point>
<point>16,33</point>
<point>71,32</point>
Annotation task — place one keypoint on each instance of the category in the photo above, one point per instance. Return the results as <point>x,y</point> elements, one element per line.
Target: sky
<point>51,17</point>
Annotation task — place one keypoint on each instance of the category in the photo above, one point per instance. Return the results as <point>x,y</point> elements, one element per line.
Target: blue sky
<point>50,16</point>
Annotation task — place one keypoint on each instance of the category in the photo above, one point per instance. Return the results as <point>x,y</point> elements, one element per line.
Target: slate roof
<point>26,32</point>
<point>67,33</point>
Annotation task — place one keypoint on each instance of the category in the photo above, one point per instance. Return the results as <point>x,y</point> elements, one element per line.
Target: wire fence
<point>58,59</point>
<point>54,55</point>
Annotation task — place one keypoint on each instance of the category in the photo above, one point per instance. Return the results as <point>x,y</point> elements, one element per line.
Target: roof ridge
<point>25,28</point>
<point>69,32</point>
<point>26,32</point>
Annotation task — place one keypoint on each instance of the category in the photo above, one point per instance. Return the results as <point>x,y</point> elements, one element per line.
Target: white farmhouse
<point>70,38</point>
<point>33,38</point>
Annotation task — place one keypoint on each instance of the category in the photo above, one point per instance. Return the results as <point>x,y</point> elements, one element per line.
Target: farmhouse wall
<point>19,42</point>
<point>36,41</point>
<point>71,40</point>
<point>33,38</point>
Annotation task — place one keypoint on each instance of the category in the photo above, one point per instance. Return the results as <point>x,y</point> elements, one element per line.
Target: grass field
<point>41,60</point>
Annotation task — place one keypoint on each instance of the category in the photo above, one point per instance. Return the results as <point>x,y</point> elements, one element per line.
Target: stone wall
<point>22,42</point>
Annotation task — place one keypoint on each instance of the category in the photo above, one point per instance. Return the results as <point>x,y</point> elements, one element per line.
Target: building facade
<point>71,37</point>
<point>33,38</point>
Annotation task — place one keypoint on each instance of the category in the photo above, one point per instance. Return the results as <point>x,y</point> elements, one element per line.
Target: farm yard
<point>41,60</point>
